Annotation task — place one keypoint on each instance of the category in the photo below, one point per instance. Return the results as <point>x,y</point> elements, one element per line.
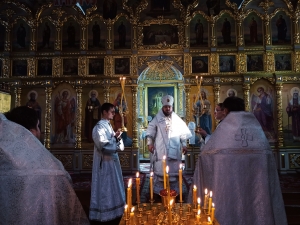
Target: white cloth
<point>168,135</point>
<point>34,186</point>
<point>238,166</point>
<point>107,191</point>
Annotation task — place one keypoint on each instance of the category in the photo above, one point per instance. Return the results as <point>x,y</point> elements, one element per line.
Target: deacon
<point>107,190</point>
<point>166,136</point>
<point>238,166</point>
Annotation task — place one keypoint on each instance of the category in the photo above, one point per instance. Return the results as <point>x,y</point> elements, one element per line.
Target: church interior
<point>65,58</point>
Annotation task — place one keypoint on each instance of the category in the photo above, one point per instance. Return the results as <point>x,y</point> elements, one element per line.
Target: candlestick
<point>132,216</point>
<point>180,183</point>
<point>199,200</point>
<point>213,212</point>
<point>151,186</point>
<point>210,202</point>
<point>164,170</point>
<point>205,199</point>
<point>195,195</point>
<point>129,194</point>
<point>137,180</point>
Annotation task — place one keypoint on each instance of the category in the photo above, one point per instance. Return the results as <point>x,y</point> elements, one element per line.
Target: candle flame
<point>205,191</point>
<point>180,165</point>
<point>171,202</point>
<point>213,205</point>
<point>151,174</point>
<point>195,187</point>
<point>126,206</point>
<point>208,219</point>
<point>164,157</point>
<point>167,169</point>
<point>199,211</point>
<point>137,174</point>
<point>132,209</point>
<point>199,200</point>
<point>196,77</point>
<point>210,194</point>
<point>129,183</point>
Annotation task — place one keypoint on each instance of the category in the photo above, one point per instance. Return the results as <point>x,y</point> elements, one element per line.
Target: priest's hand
<point>151,148</point>
<point>184,150</point>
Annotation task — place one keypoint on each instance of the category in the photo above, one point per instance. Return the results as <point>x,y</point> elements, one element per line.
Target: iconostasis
<point>56,54</point>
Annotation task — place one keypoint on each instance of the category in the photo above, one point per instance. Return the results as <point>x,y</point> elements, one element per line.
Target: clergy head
<point>233,104</point>
<point>26,117</point>
<point>167,102</point>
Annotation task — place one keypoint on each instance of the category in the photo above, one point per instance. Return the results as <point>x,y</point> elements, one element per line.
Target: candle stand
<point>157,214</point>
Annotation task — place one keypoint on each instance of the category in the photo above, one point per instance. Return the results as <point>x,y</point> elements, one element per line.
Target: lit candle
<point>198,203</point>
<point>151,185</point>
<point>195,195</point>
<point>129,194</point>
<point>164,170</point>
<point>209,220</point>
<point>210,202</point>
<point>205,199</point>
<point>137,180</point>
<point>168,183</point>
<point>170,212</point>
<point>126,211</point>
<point>198,216</point>
<point>132,216</point>
<point>212,213</point>
<point>180,182</point>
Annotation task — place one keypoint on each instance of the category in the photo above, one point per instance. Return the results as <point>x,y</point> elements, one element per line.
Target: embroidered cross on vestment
<point>244,137</point>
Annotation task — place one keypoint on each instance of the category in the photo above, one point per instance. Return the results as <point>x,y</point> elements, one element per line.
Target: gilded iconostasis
<point>62,56</point>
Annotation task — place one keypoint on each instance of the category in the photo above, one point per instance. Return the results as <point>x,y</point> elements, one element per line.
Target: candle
<point>194,195</point>
<point>132,216</point>
<point>209,220</point>
<point>126,211</point>
<point>129,194</point>
<point>212,213</point>
<point>170,212</point>
<point>180,182</point>
<point>168,183</point>
<point>164,170</point>
<point>199,203</point>
<point>151,186</point>
<point>210,202</point>
<point>205,199</point>
<point>137,180</point>
<point>198,216</point>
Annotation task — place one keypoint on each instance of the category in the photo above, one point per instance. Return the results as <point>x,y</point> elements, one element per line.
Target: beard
<point>167,113</point>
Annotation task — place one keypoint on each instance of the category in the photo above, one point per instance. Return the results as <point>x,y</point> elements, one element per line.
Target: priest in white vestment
<point>166,136</point>
<point>35,189</point>
<point>238,166</point>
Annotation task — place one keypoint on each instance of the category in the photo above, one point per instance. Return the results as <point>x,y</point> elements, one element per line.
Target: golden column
<point>106,93</point>
<point>135,143</point>
<point>187,103</point>
<point>217,97</point>
<point>78,116</point>
<point>279,88</point>
<point>17,92</point>
<point>246,88</point>
<point>48,91</point>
